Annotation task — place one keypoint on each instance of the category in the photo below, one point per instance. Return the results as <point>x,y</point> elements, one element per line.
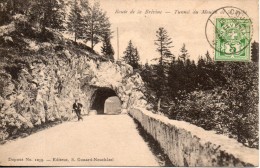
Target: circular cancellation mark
<point>229,30</point>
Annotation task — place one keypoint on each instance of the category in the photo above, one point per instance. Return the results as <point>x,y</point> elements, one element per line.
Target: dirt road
<point>100,140</point>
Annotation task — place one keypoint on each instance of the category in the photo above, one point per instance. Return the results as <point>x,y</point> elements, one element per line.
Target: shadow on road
<point>154,146</point>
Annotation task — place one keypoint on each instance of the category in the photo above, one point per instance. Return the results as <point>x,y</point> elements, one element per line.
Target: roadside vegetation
<point>220,96</point>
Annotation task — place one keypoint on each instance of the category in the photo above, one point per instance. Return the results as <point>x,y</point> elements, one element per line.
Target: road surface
<point>100,140</point>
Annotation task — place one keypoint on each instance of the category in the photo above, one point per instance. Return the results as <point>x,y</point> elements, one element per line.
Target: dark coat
<point>77,107</point>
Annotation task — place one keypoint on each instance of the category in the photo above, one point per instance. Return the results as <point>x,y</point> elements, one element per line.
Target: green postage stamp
<point>232,39</point>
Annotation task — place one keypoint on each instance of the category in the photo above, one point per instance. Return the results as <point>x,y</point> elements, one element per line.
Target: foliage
<point>75,21</point>
<point>131,55</point>
<point>149,76</point>
<point>9,8</point>
<point>85,21</point>
<point>163,43</point>
<point>255,52</point>
<point>97,25</point>
<point>182,78</point>
<point>216,96</point>
<point>230,109</point>
<point>47,13</point>
<point>184,53</point>
<point>220,96</point>
<point>106,48</point>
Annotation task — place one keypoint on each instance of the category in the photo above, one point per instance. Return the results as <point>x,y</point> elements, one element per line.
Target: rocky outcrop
<point>120,78</point>
<point>45,91</point>
<point>189,145</point>
<point>42,74</point>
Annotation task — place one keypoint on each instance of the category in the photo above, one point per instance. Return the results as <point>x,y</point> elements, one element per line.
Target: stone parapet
<point>189,145</point>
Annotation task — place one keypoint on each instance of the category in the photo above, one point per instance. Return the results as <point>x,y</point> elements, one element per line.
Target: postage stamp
<point>229,32</point>
<point>231,39</point>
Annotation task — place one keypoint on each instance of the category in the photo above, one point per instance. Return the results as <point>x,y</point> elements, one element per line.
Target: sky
<point>176,16</point>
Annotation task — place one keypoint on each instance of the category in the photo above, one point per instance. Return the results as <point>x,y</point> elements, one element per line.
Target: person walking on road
<point>77,108</point>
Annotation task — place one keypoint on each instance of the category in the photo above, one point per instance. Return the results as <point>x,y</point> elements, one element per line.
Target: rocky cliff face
<point>43,90</point>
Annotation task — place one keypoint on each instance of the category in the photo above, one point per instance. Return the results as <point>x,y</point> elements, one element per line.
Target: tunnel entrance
<point>99,98</point>
<point>112,105</point>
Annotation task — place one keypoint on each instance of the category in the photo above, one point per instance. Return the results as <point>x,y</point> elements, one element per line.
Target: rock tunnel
<point>105,96</point>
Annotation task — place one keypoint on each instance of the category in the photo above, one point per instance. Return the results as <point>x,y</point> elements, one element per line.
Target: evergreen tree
<point>4,13</point>
<point>255,52</point>
<point>129,52</point>
<point>97,25</point>
<point>76,22</point>
<point>131,56</point>
<point>184,53</point>
<point>163,43</point>
<point>107,48</point>
<point>208,76</point>
<point>9,8</point>
<point>85,7</point>
<point>47,13</point>
<point>136,59</point>
<point>146,73</point>
<point>208,58</point>
<point>201,79</point>
<point>191,73</point>
<point>176,78</point>
<point>149,77</point>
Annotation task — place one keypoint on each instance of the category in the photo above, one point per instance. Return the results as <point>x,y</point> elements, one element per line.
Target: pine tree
<point>201,76</point>
<point>191,72</point>
<point>9,8</point>
<point>76,22</point>
<point>47,13</point>
<point>128,53</point>
<point>255,52</point>
<point>97,25</point>
<point>208,58</point>
<point>131,55</point>
<point>149,77</point>
<point>184,53</point>
<point>85,7</point>
<point>107,49</point>
<point>136,59</point>
<point>176,78</point>
<point>4,13</point>
<point>163,43</point>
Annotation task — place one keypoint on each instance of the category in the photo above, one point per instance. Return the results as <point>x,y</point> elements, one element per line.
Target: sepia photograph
<point>143,83</point>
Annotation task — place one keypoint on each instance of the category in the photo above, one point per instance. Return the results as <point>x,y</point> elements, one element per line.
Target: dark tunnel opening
<point>99,97</point>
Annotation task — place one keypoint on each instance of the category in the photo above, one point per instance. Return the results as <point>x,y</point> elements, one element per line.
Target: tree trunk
<point>159,106</point>
<point>161,53</point>
<point>92,34</point>
<point>12,7</point>
<point>92,41</point>
<point>43,23</point>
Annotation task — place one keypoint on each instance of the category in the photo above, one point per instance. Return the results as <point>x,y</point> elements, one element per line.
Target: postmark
<point>229,31</point>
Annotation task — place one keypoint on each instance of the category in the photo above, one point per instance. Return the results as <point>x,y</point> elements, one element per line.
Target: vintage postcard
<point>129,83</point>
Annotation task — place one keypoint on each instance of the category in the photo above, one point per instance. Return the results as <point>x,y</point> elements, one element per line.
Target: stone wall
<point>189,145</point>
